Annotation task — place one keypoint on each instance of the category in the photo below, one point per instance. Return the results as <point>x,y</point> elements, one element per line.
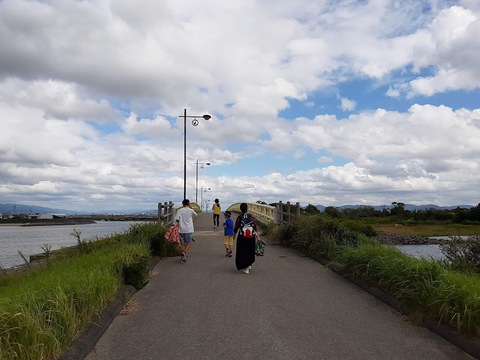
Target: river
<point>30,239</point>
<point>428,251</point>
<point>422,251</point>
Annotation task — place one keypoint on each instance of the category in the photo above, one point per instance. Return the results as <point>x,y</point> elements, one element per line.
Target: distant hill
<point>32,209</point>
<point>407,207</point>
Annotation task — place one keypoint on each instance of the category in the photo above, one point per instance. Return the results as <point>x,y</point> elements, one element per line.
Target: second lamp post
<point>194,123</point>
<point>196,178</point>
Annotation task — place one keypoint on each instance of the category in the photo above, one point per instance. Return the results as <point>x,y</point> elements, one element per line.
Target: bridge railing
<point>166,213</point>
<point>287,212</point>
<point>266,214</point>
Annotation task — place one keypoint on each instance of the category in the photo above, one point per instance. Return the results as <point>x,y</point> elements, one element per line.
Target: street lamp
<point>194,123</point>
<point>196,178</point>
<point>202,191</point>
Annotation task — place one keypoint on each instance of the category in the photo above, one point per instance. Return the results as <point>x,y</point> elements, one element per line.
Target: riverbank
<point>59,222</point>
<point>30,240</point>
<point>397,239</point>
<point>45,222</point>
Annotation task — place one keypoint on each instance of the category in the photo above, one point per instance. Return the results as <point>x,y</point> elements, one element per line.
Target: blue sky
<point>320,102</point>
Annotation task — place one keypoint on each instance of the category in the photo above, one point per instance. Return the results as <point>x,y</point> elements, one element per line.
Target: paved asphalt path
<point>288,307</point>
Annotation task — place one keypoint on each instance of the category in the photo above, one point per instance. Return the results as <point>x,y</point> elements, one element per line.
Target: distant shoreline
<point>47,222</point>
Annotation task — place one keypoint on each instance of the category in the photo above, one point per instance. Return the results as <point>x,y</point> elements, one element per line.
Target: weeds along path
<point>288,307</point>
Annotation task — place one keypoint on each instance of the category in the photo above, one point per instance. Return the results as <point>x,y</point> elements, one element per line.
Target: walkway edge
<point>84,344</point>
<point>89,337</point>
<point>468,344</point>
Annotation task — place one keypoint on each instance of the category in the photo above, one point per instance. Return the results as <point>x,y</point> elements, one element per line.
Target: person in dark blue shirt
<point>228,233</point>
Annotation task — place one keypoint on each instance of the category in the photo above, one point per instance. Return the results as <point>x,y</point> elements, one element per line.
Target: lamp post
<point>194,123</point>
<point>196,178</point>
<point>202,191</point>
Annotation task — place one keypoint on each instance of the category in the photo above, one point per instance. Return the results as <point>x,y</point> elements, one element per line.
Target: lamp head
<point>207,117</point>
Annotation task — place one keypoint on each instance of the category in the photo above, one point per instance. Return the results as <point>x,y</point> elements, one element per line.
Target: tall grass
<point>429,286</point>
<point>152,234</point>
<point>317,235</point>
<point>426,285</point>
<point>43,310</point>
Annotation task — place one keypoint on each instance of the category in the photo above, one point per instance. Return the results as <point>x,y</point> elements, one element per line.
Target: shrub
<point>424,284</point>
<point>285,233</point>
<point>457,301</point>
<point>133,266</point>
<point>318,234</point>
<point>360,227</point>
<point>152,234</point>
<point>463,255</point>
<point>42,310</point>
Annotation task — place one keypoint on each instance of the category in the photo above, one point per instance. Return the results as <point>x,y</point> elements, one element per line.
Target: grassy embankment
<point>434,289</point>
<point>42,310</point>
<point>438,229</point>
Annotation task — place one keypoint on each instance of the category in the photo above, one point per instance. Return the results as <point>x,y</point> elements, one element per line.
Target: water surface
<point>30,239</point>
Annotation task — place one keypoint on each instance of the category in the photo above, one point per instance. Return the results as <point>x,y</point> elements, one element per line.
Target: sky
<point>320,102</point>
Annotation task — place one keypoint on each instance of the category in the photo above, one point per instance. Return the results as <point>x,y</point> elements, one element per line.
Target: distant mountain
<point>407,207</point>
<point>32,209</point>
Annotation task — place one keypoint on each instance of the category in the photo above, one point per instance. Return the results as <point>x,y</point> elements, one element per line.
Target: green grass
<point>43,309</point>
<point>427,230</point>
<point>432,288</point>
<point>424,284</point>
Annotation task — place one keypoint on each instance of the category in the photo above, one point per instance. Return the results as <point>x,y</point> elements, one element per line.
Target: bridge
<point>263,213</point>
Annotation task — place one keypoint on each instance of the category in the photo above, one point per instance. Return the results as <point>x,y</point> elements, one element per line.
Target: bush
<point>153,235</point>
<point>463,255</point>
<point>318,234</point>
<point>424,284</point>
<point>133,266</point>
<point>360,227</point>
<point>285,233</point>
<point>42,310</point>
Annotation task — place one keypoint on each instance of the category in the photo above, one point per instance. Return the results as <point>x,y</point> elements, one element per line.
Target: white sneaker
<point>250,267</point>
<point>246,271</point>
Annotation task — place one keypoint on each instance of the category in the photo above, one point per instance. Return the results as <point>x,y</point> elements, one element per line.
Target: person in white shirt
<point>184,219</point>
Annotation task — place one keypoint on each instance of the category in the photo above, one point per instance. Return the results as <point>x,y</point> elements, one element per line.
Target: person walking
<point>246,230</point>
<point>184,219</point>
<point>228,233</point>
<point>216,213</point>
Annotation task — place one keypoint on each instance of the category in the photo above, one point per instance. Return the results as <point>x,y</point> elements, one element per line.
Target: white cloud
<point>456,47</point>
<point>347,104</point>
<point>92,93</point>
<point>325,160</point>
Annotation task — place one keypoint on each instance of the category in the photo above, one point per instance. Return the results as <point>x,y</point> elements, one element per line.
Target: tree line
<point>398,211</point>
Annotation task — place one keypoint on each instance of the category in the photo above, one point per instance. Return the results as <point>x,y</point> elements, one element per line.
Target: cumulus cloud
<point>347,104</point>
<point>456,47</point>
<point>92,93</point>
